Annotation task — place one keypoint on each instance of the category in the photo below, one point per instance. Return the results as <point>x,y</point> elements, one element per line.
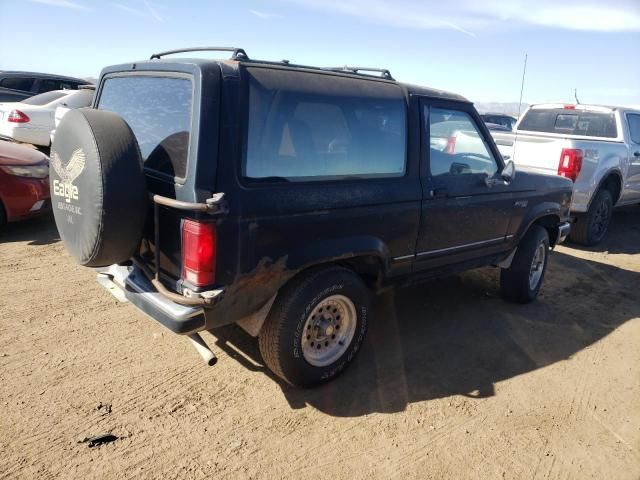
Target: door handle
<point>636,154</point>
<point>439,192</point>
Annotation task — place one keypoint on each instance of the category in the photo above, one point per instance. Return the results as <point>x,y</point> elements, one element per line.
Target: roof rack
<point>384,73</point>
<point>238,53</point>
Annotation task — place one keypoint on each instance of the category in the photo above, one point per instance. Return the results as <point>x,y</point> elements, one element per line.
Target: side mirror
<point>505,177</point>
<point>509,171</point>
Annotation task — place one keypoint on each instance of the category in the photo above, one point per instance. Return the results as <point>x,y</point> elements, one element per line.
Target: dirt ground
<point>451,383</point>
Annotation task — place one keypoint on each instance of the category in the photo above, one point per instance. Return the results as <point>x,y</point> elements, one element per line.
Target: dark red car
<point>24,182</point>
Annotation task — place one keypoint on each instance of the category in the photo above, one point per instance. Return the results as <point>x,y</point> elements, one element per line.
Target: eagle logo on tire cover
<point>67,173</point>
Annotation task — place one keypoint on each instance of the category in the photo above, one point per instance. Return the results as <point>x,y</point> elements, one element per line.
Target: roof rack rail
<point>238,53</point>
<point>384,73</point>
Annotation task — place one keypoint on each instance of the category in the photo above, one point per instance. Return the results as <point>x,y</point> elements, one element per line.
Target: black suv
<point>280,196</point>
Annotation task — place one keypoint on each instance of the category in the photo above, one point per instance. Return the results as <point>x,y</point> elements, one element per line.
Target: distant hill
<point>510,108</point>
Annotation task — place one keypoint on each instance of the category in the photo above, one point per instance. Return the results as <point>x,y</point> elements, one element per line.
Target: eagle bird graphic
<point>69,172</point>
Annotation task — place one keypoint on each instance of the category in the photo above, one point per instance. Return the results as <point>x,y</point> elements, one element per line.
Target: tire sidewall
<point>604,196</point>
<point>294,365</point>
<point>514,281</point>
<point>541,238</point>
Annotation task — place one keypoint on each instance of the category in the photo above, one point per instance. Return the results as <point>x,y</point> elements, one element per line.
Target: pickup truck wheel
<point>316,326</point>
<point>591,227</point>
<point>521,282</point>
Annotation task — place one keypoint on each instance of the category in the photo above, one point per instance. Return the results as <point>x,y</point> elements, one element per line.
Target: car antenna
<point>524,72</point>
<point>575,96</point>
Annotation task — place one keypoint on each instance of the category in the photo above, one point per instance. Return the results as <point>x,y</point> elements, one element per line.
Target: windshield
<point>45,98</point>
<point>570,122</point>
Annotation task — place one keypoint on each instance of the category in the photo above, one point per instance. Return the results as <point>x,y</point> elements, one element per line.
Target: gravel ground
<point>452,382</point>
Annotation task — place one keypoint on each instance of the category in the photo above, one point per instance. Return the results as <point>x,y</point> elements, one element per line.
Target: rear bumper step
<point>131,284</point>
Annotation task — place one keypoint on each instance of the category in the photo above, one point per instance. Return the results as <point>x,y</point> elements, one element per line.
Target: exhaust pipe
<point>203,349</point>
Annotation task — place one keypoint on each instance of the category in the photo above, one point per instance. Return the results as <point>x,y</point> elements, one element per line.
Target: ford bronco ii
<point>280,197</point>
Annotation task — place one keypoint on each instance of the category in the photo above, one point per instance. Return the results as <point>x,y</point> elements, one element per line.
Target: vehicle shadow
<point>36,231</point>
<point>455,336</point>
<point>623,235</point>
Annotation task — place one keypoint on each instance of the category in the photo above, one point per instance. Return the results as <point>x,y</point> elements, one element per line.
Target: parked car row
<point>34,119</point>
<point>17,86</point>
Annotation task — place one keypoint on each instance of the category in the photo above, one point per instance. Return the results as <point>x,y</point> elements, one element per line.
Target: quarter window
<point>310,127</point>
<point>456,146</point>
<point>634,127</point>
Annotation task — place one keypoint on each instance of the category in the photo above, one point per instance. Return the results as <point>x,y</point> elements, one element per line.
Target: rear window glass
<point>44,98</point>
<point>570,122</point>
<point>17,83</point>
<point>158,110</point>
<point>310,127</point>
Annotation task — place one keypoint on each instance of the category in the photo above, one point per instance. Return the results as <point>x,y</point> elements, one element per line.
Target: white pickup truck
<point>595,146</point>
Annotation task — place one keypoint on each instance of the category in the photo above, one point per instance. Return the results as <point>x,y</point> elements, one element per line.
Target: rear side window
<point>570,122</point>
<point>48,84</point>
<point>310,127</point>
<point>44,98</point>
<point>17,83</point>
<point>158,110</point>
<point>634,127</point>
<point>79,99</point>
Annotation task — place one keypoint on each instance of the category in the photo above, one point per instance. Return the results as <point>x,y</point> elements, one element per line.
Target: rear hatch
<point>544,132</point>
<point>159,107</point>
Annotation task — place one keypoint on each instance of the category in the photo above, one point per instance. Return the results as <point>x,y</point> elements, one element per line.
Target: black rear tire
<point>283,334</point>
<point>591,227</point>
<point>3,216</point>
<point>515,282</point>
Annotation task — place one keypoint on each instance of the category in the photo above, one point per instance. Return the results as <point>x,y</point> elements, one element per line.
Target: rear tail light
<point>198,253</point>
<point>569,107</point>
<point>451,145</point>
<point>570,163</point>
<point>16,116</point>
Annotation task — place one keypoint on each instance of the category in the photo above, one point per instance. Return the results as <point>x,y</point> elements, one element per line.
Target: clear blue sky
<point>475,48</point>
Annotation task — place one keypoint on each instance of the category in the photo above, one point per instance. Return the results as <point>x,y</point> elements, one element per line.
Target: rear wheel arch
<point>612,182</point>
<point>369,268</point>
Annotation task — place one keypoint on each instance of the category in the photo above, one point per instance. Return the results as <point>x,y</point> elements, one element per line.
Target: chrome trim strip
<point>448,249</point>
<point>403,258</point>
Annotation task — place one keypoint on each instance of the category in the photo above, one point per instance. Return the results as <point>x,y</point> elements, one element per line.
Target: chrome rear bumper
<point>130,284</point>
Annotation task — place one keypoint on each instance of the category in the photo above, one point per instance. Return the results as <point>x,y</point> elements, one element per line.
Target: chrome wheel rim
<point>328,330</point>
<point>537,266</point>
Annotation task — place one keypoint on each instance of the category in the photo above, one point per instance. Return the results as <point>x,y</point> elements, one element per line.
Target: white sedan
<point>32,120</point>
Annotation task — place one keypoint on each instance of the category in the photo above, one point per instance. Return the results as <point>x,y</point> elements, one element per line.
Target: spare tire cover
<point>98,188</point>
